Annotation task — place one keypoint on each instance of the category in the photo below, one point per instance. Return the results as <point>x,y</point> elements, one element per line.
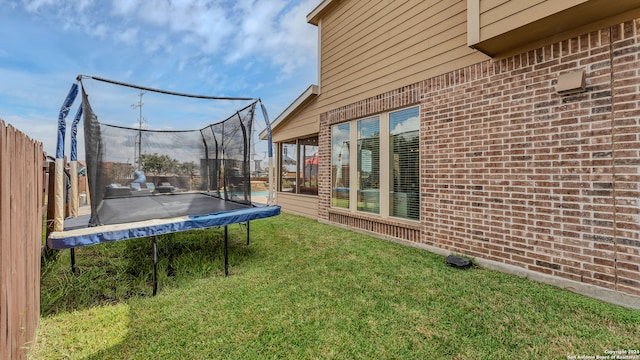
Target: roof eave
<point>315,15</point>
<point>311,92</point>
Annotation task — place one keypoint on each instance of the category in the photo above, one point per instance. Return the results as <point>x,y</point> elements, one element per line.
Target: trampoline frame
<point>78,234</point>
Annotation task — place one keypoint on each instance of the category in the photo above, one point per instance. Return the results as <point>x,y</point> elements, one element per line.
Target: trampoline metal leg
<point>247,232</point>
<point>155,266</point>
<point>73,260</point>
<point>226,250</point>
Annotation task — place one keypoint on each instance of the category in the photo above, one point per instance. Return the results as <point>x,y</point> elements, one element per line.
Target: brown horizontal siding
<point>428,37</point>
<point>412,53</point>
<point>401,77</point>
<point>408,27</point>
<point>346,24</point>
<point>370,31</point>
<point>303,205</point>
<point>497,17</point>
<point>304,125</point>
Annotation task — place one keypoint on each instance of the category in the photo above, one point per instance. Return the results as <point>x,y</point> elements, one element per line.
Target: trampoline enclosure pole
<point>248,232</point>
<point>155,265</point>
<point>270,153</point>
<point>74,202</point>
<point>59,193</point>
<point>59,190</point>
<point>73,260</point>
<point>226,250</point>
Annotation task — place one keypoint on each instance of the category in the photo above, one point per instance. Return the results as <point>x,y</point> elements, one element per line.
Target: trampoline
<point>204,182</point>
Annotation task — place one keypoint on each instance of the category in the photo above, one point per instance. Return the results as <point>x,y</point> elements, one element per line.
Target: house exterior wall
<point>372,46</point>
<point>305,124</point>
<point>512,172</point>
<point>298,204</point>
<point>502,28</point>
<point>500,16</point>
<point>357,60</point>
<point>515,173</point>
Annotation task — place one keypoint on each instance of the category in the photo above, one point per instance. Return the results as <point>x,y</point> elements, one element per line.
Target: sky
<point>246,48</point>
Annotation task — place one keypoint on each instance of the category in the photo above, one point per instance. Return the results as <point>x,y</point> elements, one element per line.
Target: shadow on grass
<point>111,273</point>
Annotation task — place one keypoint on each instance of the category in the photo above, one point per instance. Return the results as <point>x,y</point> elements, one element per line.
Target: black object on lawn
<point>458,262</point>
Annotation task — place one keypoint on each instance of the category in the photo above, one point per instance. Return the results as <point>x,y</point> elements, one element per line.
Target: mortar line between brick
<point>613,162</point>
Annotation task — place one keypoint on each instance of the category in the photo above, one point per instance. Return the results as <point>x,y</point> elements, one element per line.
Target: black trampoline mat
<point>141,208</point>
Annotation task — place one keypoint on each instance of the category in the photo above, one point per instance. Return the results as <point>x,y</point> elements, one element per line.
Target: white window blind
<point>404,160</point>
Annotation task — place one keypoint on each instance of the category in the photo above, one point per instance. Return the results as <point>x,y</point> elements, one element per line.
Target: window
<point>340,135</point>
<point>308,166</point>
<point>288,163</point>
<point>404,156</point>
<point>298,165</point>
<point>387,165</point>
<point>369,165</point>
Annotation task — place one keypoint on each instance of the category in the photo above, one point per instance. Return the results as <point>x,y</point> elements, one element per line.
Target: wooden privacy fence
<point>21,203</point>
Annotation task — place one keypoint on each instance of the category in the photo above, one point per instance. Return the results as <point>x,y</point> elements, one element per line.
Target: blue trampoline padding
<point>84,236</point>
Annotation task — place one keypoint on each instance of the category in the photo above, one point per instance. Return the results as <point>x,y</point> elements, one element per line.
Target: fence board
<point>34,252</point>
<point>21,185</point>
<point>4,242</point>
<point>18,243</point>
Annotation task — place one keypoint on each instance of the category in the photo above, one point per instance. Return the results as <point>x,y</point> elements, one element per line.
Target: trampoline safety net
<point>128,162</point>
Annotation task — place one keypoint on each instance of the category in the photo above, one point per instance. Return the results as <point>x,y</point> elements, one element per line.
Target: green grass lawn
<point>307,290</point>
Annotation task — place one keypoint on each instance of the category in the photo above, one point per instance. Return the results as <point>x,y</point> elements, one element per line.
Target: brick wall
<point>514,173</point>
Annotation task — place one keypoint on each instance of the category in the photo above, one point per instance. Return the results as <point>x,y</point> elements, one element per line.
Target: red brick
<point>515,173</point>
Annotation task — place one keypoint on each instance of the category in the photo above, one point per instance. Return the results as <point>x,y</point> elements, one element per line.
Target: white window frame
<point>385,164</point>
<point>280,163</point>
